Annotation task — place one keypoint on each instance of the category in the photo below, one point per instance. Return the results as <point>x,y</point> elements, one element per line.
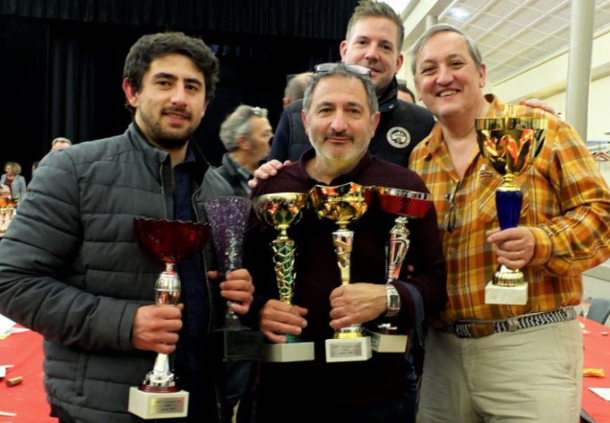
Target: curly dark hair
<point>153,46</point>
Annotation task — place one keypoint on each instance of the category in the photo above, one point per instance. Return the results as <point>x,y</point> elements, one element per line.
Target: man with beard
<point>70,265</point>
<point>340,115</point>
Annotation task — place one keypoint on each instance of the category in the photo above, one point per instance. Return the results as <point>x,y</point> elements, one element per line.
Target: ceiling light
<point>459,13</point>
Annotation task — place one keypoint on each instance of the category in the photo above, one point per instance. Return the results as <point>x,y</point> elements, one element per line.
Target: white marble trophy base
<point>508,295</point>
<point>155,405</point>
<point>288,353</point>
<point>385,343</point>
<point>345,350</point>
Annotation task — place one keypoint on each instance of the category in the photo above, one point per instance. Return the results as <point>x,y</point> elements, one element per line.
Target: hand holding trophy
<point>169,241</point>
<point>344,204</point>
<point>281,210</point>
<point>510,144</point>
<point>386,336</point>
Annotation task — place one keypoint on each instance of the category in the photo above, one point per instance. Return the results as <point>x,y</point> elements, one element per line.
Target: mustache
<point>343,134</point>
<point>178,110</point>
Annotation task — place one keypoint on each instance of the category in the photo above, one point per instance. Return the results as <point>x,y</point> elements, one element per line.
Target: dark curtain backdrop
<point>62,61</point>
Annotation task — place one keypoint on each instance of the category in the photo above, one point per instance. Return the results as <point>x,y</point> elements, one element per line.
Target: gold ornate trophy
<point>344,204</point>
<point>510,144</point>
<point>158,397</point>
<point>280,210</point>
<point>386,336</point>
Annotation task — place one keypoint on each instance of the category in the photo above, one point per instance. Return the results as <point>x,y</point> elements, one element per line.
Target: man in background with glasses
<point>245,134</point>
<point>487,362</point>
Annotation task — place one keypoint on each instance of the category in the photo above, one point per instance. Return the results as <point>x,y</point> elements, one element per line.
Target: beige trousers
<point>530,375</point>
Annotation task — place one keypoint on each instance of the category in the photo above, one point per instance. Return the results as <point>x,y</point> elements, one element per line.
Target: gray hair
<point>431,32</point>
<point>237,124</point>
<point>61,140</point>
<point>343,70</point>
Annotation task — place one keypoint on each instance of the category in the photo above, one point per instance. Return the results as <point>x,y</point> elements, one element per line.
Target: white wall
<point>599,108</point>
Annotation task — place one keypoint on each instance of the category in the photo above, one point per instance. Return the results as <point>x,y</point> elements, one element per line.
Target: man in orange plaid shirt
<point>486,363</point>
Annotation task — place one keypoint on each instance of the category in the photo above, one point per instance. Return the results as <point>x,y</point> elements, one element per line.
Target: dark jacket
<point>71,269</point>
<point>401,127</point>
<point>229,171</point>
<point>381,379</point>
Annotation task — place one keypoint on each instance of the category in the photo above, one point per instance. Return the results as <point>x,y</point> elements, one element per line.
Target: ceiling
<point>512,34</point>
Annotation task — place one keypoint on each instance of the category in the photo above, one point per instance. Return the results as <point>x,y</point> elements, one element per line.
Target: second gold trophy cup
<point>344,204</point>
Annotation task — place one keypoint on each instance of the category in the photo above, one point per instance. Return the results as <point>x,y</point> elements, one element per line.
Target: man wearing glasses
<point>490,362</point>
<point>373,41</point>
<point>245,134</point>
<point>340,116</point>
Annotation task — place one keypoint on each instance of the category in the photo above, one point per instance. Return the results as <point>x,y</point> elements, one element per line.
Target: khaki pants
<point>530,375</point>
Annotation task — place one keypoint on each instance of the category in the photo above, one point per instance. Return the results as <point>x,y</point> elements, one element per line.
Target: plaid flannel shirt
<point>566,204</point>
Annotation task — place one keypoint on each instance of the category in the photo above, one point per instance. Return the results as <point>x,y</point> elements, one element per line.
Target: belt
<point>478,329</point>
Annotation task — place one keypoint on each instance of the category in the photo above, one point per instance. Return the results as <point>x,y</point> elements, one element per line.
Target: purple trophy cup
<point>170,242</point>
<point>228,217</point>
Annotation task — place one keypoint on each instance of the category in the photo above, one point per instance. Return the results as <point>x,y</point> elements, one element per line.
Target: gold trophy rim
<point>317,201</point>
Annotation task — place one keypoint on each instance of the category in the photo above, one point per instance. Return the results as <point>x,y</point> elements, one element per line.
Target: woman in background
<point>13,179</point>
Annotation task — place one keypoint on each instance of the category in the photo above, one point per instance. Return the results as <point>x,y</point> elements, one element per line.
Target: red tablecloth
<point>28,400</point>
<point>596,356</point>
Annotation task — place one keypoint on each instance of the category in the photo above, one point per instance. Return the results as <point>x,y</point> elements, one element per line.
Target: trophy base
<point>507,295</point>
<point>288,353</point>
<point>388,343</point>
<point>243,344</point>
<point>156,405</point>
<point>346,350</point>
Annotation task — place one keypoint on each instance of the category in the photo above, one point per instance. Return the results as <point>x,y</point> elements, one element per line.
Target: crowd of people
<point>71,267</point>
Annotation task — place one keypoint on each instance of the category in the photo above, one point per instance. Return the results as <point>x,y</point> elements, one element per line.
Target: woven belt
<point>482,328</point>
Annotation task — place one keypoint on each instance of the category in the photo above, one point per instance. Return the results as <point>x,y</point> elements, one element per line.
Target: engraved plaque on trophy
<point>386,336</point>
<point>228,217</point>
<point>344,204</point>
<point>510,144</point>
<point>158,397</point>
<point>281,210</point>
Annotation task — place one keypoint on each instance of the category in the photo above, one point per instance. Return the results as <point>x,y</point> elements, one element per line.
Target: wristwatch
<point>393,300</point>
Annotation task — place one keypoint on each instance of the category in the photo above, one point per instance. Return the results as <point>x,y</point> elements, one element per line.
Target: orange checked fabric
<point>566,202</point>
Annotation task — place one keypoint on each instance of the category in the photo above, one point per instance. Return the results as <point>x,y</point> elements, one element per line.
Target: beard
<point>167,138</point>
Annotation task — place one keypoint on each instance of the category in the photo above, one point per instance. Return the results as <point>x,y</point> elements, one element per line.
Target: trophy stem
<point>283,260</point>
<point>343,240</point>
<point>398,248</point>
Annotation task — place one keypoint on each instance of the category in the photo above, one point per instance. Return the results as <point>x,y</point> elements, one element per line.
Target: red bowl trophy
<point>228,217</point>
<point>158,397</point>
<point>344,204</point>
<point>386,337</point>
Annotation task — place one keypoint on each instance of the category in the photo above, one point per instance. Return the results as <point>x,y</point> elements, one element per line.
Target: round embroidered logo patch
<point>399,137</point>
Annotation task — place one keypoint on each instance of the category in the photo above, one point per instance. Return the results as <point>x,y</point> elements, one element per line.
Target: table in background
<point>28,400</point>
<point>596,356</point>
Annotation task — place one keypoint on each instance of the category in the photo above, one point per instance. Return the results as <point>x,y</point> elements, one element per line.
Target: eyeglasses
<point>450,218</point>
<point>255,111</point>
<point>329,67</point>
